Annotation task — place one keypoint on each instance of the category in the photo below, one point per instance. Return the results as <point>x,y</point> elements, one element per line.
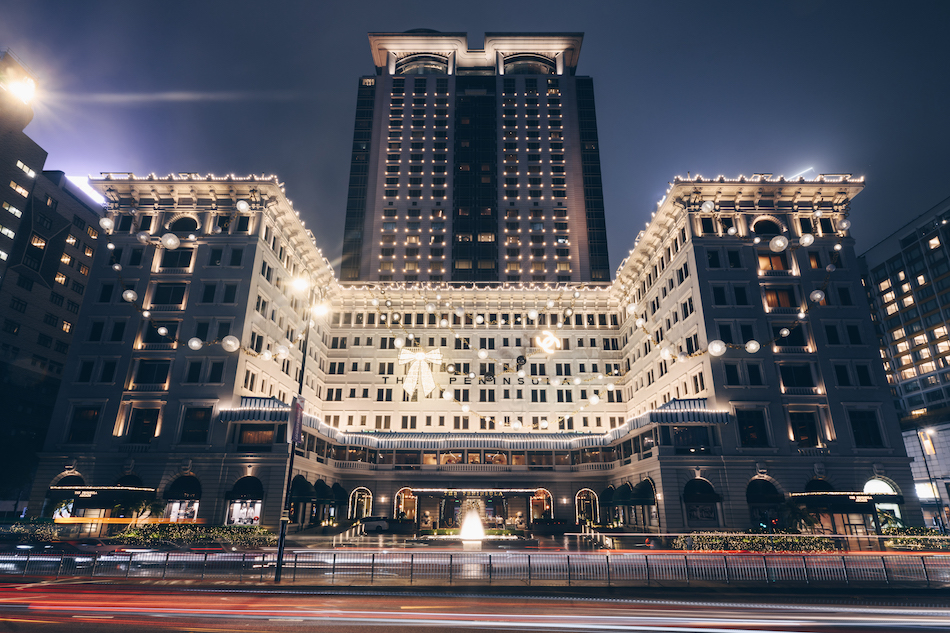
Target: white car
<point>375,524</point>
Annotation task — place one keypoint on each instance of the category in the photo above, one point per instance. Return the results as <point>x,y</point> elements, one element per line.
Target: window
<point>142,425</point>
<point>152,372</point>
<point>752,427</point>
<point>776,297</point>
<point>797,375</point>
<point>804,428</point>
<point>195,424</point>
<point>168,294</point>
<point>82,427</point>
<point>864,427</point>
<point>179,258</point>
<point>18,304</point>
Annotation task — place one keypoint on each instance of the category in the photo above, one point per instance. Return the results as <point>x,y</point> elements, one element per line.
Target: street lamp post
<point>933,484</point>
<point>292,436</point>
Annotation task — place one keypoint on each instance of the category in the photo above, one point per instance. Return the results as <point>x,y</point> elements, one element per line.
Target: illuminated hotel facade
<point>704,387</point>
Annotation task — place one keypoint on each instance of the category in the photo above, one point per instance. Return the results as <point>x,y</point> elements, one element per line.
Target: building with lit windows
<point>728,369</point>
<point>906,277</point>
<point>475,165</point>
<point>48,235</point>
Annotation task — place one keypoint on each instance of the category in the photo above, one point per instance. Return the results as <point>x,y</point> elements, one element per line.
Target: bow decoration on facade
<point>419,375</point>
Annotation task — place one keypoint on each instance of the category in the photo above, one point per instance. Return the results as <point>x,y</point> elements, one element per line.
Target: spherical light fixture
<point>732,230</point>
<point>282,352</point>
<point>801,314</point>
<point>532,314</point>
<point>483,353</point>
<point>568,312</point>
<point>556,382</point>
<point>516,424</point>
<point>216,230</point>
<point>230,343</point>
<point>106,224</point>
<point>399,342</point>
<point>195,343</point>
<point>756,240</point>
<point>130,295</point>
<point>632,308</point>
<point>479,319</point>
<point>162,331</point>
<point>243,206</point>
<point>831,268</point>
<point>752,346</point>
<point>717,348</point>
<point>375,301</point>
<point>521,373</point>
<point>471,375</point>
<point>577,294</point>
<point>447,395</point>
<point>681,357</point>
<point>450,368</point>
<point>116,267</point>
<point>443,323</point>
<point>550,303</point>
<point>143,237</point>
<point>838,247</point>
<point>611,386</point>
<point>666,353</point>
<point>844,224</point>
<point>171,241</point>
<point>807,239</point>
<point>430,307</point>
<point>778,243</point>
<point>577,380</point>
<point>110,246</point>
<point>266,355</point>
<point>466,408</point>
<point>544,424</point>
<point>708,206</point>
<point>784,332</point>
<point>146,313</point>
<point>594,400</point>
<point>639,322</point>
<point>817,296</point>
<point>819,213</point>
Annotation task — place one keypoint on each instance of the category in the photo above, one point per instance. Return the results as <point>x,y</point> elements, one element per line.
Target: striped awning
<point>673,413</point>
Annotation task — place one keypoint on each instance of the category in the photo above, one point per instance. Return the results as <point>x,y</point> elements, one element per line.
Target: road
<point>53,606</point>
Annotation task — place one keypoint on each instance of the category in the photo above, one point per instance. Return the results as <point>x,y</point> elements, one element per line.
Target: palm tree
<point>795,516</point>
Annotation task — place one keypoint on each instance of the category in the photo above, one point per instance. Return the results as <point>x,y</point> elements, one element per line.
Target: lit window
<point>60,278</point>
<point>67,326</point>
<point>71,240</point>
<point>66,259</point>
<point>5,231</point>
<point>934,242</point>
<point>20,190</point>
<point>8,207</point>
<point>32,174</point>
<point>37,241</point>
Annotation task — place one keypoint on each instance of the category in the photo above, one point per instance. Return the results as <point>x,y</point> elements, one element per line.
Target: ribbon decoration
<point>419,375</point>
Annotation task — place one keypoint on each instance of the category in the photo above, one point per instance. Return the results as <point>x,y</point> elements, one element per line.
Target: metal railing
<point>503,568</point>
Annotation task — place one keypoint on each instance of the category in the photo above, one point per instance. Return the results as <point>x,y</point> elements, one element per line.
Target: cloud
<point>179,96</point>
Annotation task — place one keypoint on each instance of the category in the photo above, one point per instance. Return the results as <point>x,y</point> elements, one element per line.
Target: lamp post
<point>300,284</point>
<point>933,484</point>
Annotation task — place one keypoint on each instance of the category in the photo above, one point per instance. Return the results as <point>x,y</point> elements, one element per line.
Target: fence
<point>481,568</point>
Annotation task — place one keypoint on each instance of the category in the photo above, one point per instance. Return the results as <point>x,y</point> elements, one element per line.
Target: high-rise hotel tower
<point>475,165</point>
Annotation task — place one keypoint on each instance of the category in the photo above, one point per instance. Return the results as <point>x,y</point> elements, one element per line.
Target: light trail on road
<point>74,606</point>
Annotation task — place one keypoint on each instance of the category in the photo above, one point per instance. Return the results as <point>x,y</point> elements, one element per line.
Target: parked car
<point>375,524</point>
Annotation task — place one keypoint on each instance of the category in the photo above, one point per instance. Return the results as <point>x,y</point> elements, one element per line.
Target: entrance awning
<point>247,488</point>
<point>100,496</point>
<point>186,487</point>
<point>302,490</point>
<point>844,502</point>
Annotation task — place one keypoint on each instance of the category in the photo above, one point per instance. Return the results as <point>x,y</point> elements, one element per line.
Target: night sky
<point>707,87</point>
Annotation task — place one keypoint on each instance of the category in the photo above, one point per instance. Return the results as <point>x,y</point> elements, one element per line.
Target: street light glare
<point>320,309</point>
<point>301,283</point>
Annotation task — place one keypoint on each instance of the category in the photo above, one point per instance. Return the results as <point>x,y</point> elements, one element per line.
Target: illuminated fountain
<point>472,532</point>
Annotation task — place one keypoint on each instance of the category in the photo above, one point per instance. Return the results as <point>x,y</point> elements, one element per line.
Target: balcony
<point>802,391</point>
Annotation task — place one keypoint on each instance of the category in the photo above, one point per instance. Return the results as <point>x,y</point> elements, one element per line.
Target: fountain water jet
<point>472,529</point>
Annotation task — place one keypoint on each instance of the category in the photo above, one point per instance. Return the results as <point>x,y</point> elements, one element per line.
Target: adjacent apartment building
<point>48,236</point>
<point>907,281</point>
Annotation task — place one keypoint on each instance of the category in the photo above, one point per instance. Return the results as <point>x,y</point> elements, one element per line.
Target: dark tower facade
<point>475,165</point>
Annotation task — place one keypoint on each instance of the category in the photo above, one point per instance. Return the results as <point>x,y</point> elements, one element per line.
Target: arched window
<point>767,227</point>
<point>247,497</point>
<point>184,224</point>
<point>586,507</point>
<point>701,500</point>
<point>361,503</point>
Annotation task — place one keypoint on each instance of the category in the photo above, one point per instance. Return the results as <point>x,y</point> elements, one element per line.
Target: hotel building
<point>728,369</point>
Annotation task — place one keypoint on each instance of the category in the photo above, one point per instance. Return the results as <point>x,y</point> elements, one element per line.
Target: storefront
<point>245,501</point>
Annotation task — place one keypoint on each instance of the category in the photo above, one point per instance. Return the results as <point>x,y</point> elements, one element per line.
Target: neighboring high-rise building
<point>48,235</point>
<point>729,369</point>
<point>475,165</point>
<point>907,277</point>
